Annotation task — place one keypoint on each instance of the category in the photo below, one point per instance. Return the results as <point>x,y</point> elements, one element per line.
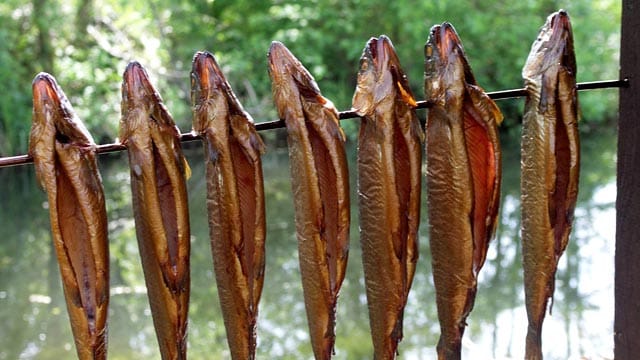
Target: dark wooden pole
<point>627,276</point>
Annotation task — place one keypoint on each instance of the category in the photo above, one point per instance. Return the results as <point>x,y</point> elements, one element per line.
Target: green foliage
<point>88,53</point>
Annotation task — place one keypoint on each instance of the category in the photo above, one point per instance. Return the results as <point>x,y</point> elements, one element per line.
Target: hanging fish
<point>550,166</point>
<point>235,200</point>
<point>320,183</point>
<point>389,165</point>
<point>64,155</point>
<point>158,174</point>
<point>463,181</point>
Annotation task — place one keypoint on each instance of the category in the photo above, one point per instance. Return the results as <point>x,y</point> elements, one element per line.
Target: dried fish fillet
<point>64,155</point>
<point>463,181</point>
<point>158,174</point>
<point>235,200</point>
<point>320,185</point>
<point>389,165</point>
<point>550,166</point>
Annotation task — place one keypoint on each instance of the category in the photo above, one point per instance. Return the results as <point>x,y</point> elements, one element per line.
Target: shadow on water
<point>35,323</point>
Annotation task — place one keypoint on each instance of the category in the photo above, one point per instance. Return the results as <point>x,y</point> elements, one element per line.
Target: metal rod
<point>348,114</point>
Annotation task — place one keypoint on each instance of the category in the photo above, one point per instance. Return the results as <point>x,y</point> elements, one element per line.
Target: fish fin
<point>565,190</point>
<point>483,154</point>
<point>404,241</point>
<point>187,168</point>
<point>332,120</point>
<point>406,95</point>
<point>489,111</point>
<point>245,169</point>
<point>328,215</point>
<point>256,141</point>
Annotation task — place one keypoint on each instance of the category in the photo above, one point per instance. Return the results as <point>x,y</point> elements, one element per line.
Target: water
<point>35,323</point>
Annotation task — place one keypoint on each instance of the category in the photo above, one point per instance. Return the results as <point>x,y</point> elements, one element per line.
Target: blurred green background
<point>86,46</point>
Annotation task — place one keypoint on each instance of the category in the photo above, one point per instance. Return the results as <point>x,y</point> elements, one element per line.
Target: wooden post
<point>627,271</point>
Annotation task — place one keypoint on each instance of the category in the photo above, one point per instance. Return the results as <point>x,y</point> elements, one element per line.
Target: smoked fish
<point>463,181</point>
<point>64,155</point>
<point>550,166</point>
<point>320,184</point>
<point>158,174</point>
<point>235,200</point>
<point>389,167</point>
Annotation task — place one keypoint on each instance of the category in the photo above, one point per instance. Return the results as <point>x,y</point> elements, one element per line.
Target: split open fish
<point>158,174</point>
<point>64,155</point>
<point>389,166</point>
<point>235,200</point>
<point>463,181</point>
<point>320,184</point>
<point>550,166</point>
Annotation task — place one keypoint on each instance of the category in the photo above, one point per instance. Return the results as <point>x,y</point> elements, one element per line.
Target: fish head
<point>141,102</point>
<point>554,46</point>
<point>207,80</point>
<point>290,79</point>
<point>52,108</point>
<point>137,90</point>
<point>54,123</point>
<point>212,99</point>
<point>380,76</point>
<point>446,69</point>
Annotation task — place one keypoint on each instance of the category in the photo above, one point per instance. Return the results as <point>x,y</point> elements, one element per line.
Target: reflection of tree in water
<point>28,267</point>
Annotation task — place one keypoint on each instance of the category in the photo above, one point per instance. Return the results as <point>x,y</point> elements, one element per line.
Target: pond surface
<point>35,323</point>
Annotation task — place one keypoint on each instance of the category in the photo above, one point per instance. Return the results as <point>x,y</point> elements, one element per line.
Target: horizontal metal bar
<point>348,114</point>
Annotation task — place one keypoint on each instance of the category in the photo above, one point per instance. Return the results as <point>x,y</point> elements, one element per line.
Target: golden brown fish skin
<point>320,183</point>
<point>550,166</point>
<point>235,200</point>
<point>158,172</point>
<point>64,155</point>
<point>389,166</point>
<point>463,181</point>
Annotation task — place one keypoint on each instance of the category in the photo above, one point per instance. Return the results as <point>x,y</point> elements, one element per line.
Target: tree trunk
<point>44,46</point>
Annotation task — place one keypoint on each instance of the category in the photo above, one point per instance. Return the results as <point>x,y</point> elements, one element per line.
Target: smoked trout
<point>389,165</point>
<point>320,183</point>
<point>64,155</point>
<point>463,181</point>
<point>235,200</point>
<point>158,174</point>
<point>550,166</point>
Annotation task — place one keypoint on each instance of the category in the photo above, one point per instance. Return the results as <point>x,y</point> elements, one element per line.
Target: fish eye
<point>428,50</point>
<point>364,64</point>
<point>196,88</point>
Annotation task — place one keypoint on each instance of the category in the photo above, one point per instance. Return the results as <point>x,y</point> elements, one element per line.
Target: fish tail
<point>533,346</point>
<point>449,350</point>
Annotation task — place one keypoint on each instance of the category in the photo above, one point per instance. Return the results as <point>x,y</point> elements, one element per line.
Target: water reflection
<point>35,324</point>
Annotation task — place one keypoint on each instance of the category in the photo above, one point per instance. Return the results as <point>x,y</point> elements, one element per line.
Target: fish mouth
<point>284,66</point>
<point>50,98</point>
<point>561,33</point>
<point>281,60</point>
<point>558,28</point>
<point>554,46</point>
<point>135,75</point>
<point>444,58</point>
<point>136,82</point>
<point>443,43</point>
<point>381,54</point>
<point>138,93</point>
<point>560,21</point>
<point>206,74</point>
<point>45,89</point>
<point>380,71</point>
